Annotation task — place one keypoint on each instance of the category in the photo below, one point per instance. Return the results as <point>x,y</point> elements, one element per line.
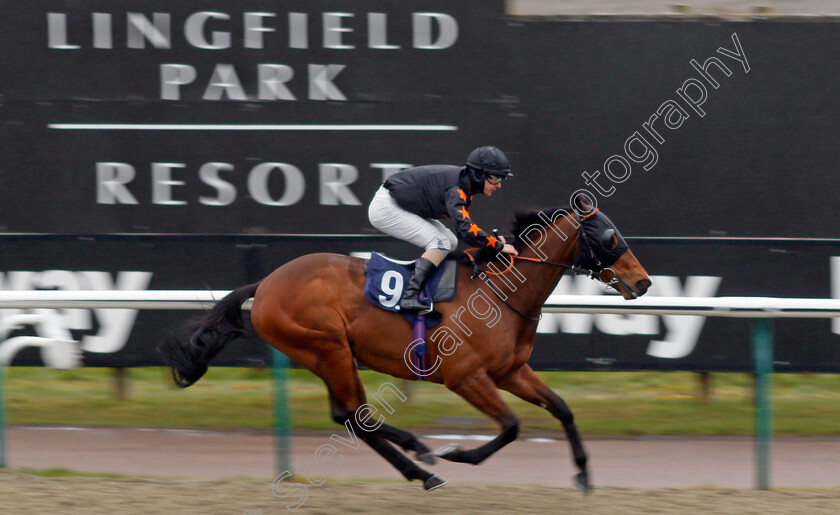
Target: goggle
<point>496,179</point>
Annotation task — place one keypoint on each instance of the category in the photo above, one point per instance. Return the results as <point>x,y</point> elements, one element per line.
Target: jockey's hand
<point>509,249</point>
<point>502,239</point>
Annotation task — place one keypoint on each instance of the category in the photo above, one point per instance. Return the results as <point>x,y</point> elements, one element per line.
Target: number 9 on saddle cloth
<point>386,279</point>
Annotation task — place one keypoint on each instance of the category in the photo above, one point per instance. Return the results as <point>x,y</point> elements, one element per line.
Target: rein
<point>575,269</point>
<point>477,272</point>
<point>523,315</point>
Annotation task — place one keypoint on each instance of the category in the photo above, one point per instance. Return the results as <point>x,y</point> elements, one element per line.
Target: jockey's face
<point>490,188</point>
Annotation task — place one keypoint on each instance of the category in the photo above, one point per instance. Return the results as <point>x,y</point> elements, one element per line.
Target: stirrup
<point>425,310</point>
<point>430,309</point>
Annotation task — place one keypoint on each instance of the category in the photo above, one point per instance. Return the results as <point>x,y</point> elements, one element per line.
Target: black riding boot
<point>411,296</point>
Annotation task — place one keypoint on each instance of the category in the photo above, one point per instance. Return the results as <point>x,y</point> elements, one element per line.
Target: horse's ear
<point>583,204</point>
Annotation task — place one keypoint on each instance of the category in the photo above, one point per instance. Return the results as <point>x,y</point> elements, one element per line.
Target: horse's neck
<point>540,278</point>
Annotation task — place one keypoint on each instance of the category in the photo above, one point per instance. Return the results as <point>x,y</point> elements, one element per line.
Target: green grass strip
<point>605,403</point>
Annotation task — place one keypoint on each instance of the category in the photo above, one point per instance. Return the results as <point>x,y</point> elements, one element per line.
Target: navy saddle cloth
<point>386,280</point>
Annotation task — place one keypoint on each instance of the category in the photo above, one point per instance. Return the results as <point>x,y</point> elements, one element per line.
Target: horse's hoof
<point>582,482</point>
<point>447,450</point>
<point>427,457</point>
<point>432,483</point>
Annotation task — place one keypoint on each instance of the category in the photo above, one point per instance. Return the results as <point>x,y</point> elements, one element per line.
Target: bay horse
<point>313,310</point>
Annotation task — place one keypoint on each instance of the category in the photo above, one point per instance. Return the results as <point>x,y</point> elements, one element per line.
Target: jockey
<point>408,205</point>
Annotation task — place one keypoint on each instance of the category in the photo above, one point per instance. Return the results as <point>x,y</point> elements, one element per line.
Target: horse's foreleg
<point>480,391</point>
<point>526,385</point>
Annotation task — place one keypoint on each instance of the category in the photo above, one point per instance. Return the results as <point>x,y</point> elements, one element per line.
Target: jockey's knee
<point>453,240</point>
<point>442,245</point>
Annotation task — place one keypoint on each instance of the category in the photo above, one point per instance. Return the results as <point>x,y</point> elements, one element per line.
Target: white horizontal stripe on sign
<point>242,127</point>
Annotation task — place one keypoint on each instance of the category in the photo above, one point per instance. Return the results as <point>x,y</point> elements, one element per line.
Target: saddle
<point>386,278</point>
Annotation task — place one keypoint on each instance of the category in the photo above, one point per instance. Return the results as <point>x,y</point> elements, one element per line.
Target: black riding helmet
<point>485,161</point>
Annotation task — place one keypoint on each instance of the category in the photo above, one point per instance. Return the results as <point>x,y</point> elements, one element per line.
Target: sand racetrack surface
<point>207,472</point>
<point>21,493</point>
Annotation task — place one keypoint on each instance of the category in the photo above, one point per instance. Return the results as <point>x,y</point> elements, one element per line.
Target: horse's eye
<point>609,240</point>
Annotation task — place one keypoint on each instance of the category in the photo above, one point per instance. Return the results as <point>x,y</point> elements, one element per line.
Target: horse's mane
<point>522,220</point>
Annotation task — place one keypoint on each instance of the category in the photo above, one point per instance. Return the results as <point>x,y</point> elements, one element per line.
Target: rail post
<point>282,422</point>
<point>2,420</point>
<point>762,336</point>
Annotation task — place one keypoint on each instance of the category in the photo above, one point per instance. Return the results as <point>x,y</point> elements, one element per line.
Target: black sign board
<point>567,341</point>
<point>284,117</point>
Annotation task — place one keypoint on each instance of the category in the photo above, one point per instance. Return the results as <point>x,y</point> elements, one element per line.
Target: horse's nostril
<point>643,285</point>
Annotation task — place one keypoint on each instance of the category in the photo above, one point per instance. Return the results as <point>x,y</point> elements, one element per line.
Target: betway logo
<point>113,326</point>
<point>681,332</point>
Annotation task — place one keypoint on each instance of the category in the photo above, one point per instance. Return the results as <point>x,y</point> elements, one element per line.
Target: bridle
<point>594,271</point>
<point>478,272</point>
<point>594,274</point>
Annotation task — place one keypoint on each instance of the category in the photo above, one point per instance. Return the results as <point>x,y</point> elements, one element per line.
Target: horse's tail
<point>209,335</point>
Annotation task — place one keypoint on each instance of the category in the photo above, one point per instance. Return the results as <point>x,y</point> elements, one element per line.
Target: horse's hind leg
<point>408,442</point>
<point>526,385</point>
<point>346,396</point>
<point>480,391</point>
<point>402,438</point>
